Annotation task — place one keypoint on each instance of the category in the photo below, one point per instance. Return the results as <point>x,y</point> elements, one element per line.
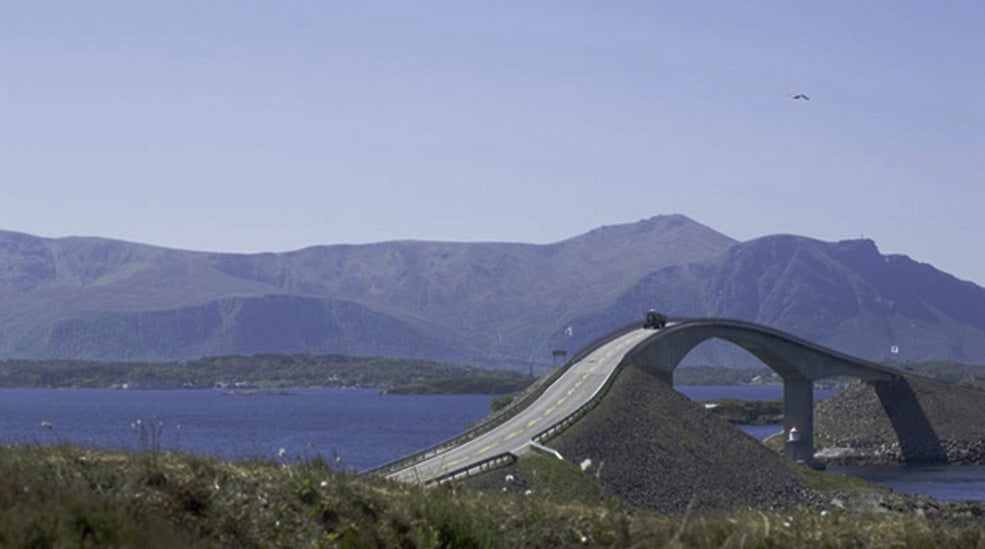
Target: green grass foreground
<point>69,497</point>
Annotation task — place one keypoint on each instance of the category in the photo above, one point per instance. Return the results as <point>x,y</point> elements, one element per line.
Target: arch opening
<point>797,362</point>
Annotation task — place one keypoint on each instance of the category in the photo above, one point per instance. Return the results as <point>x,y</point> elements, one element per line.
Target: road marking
<point>562,399</point>
<point>455,462</point>
<point>513,434</point>
<point>549,410</point>
<point>486,449</point>
<point>532,422</point>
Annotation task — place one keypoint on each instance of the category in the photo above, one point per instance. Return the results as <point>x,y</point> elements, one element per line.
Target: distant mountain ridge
<point>498,304</point>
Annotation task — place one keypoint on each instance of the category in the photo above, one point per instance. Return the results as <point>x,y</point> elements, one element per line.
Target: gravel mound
<point>656,449</point>
<point>916,420</point>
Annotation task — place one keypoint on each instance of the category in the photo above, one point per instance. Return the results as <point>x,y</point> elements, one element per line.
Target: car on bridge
<point>654,320</point>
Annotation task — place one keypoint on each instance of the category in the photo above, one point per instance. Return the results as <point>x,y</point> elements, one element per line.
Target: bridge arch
<point>798,362</point>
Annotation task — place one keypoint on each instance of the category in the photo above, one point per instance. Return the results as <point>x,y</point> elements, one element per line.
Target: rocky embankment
<point>915,420</point>
<point>654,448</point>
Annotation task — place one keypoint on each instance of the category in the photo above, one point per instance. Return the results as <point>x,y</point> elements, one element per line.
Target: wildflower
<point>323,484</point>
<point>528,492</point>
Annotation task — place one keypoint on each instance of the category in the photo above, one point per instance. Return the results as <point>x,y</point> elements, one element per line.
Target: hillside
<point>491,304</point>
<point>484,303</point>
<point>844,295</point>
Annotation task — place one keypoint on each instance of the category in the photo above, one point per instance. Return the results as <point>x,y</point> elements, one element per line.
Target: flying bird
<point>800,96</point>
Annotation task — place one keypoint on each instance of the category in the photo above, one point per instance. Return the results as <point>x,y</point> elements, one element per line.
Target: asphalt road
<point>577,386</point>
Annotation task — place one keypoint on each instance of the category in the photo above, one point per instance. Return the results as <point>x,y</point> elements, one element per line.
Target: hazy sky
<point>249,126</point>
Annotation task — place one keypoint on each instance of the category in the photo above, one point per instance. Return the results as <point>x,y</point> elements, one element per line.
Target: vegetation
<point>945,370</point>
<point>265,370</point>
<point>500,383</point>
<point>396,375</point>
<point>69,497</point>
<point>724,375</point>
<point>500,402</point>
<point>970,375</point>
<point>749,412</point>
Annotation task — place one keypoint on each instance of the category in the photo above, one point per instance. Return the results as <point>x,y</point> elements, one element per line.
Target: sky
<point>244,126</point>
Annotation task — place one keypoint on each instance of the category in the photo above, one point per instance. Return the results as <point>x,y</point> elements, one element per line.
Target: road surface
<point>575,387</point>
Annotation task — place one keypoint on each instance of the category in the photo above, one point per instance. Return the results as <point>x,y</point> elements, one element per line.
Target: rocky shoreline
<point>956,452</point>
<point>921,422</point>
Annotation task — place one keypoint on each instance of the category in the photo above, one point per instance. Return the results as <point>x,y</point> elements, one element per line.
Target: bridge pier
<point>798,419</point>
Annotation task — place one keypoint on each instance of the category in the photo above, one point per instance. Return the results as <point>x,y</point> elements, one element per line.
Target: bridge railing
<point>527,397</point>
<point>492,462</point>
<point>576,414</point>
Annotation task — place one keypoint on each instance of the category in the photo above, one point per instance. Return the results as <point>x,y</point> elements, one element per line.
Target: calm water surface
<point>363,428</point>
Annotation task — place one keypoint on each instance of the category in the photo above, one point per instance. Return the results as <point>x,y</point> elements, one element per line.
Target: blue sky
<point>247,126</point>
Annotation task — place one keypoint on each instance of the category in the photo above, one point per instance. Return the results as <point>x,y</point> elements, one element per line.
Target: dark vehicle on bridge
<point>654,320</point>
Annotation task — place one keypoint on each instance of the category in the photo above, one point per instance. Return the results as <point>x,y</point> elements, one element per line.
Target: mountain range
<point>489,304</point>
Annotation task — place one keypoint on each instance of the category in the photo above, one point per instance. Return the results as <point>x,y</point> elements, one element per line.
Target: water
<point>362,427</point>
<point>948,483</point>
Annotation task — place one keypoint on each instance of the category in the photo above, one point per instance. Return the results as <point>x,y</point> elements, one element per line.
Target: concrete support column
<point>798,419</point>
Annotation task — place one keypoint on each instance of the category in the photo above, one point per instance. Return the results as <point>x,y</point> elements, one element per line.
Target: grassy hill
<point>70,497</point>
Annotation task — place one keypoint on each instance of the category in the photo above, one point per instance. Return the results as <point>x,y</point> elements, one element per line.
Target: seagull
<point>800,96</point>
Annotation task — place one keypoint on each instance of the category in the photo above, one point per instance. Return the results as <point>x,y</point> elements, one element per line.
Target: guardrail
<point>527,397</point>
<point>576,414</point>
<point>493,462</point>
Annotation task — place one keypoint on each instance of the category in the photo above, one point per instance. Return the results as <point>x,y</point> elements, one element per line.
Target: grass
<point>560,481</point>
<point>64,496</point>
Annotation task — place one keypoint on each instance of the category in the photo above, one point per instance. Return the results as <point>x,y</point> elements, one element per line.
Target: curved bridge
<point>798,362</point>
<point>584,381</point>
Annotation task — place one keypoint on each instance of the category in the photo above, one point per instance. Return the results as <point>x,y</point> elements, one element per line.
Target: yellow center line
<point>485,449</point>
<point>549,410</point>
<point>562,399</point>
<point>532,422</point>
<point>513,434</point>
<point>455,462</point>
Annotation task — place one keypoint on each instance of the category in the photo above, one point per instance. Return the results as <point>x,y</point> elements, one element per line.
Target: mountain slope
<point>845,295</point>
<point>485,302</point>
<point>500,304</point>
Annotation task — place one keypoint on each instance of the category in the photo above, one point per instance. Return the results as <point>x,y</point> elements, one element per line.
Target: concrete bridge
<point>798,362</point>
<point>585,379</point>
